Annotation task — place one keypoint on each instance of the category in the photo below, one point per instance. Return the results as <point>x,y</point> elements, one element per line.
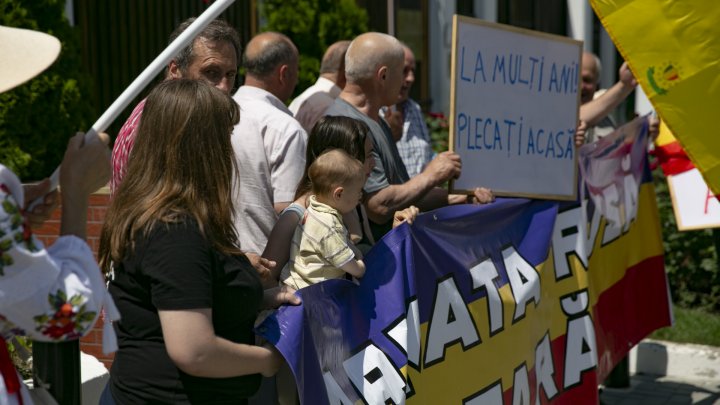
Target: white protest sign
<point>514,108</point>
<point>694,204</point>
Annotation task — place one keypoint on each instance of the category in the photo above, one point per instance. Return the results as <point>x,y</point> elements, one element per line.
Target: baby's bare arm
<point>354,267</point>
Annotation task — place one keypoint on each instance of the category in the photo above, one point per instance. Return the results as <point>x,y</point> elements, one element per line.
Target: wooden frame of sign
<point>514,107</point>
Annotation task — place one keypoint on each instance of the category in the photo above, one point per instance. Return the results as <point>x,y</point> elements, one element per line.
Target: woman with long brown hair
<point>188,297</point>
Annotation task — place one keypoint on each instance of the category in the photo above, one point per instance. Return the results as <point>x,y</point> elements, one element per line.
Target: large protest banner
<point>514,302</point>
<point>513,109</point>
<point>671,47</point>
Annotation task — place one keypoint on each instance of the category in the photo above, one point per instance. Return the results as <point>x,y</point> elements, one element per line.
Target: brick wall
<point>92,343</point>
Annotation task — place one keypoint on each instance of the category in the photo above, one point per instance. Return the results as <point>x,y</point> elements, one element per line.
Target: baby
<point>321,247</point>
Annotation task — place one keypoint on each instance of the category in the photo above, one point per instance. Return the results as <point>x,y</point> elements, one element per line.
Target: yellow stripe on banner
<point>643,241</point>
<point>673,48</point>
<point>497,357</point>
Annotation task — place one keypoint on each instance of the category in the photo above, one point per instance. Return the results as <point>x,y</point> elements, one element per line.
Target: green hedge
<point>313,25</point>
<point>37,118</point>
<point>691,259</point>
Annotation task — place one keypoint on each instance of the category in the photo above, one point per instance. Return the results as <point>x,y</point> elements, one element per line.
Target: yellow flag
<point>673,48</point>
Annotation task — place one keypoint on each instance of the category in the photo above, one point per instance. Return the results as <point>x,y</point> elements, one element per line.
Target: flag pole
<point>149,74</point>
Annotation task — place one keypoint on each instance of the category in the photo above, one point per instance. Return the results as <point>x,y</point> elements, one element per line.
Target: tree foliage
<point>691,259</point>
<point>313,25</point>
<point>38,117</point>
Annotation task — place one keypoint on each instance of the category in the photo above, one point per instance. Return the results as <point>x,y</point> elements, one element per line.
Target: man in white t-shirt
<point>309,106</point>
<point>269,143</point>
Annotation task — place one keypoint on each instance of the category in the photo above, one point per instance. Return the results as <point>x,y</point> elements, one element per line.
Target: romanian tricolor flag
<point>672,47</point>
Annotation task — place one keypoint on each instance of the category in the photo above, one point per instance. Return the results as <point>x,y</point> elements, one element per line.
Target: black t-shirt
<point>175,268</point>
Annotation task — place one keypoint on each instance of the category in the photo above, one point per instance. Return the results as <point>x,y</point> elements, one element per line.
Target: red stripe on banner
<point>673,158</point>
<point>508,393</point>
<point>630,310</point>
<point>586,392</point>
<point>624,314</point>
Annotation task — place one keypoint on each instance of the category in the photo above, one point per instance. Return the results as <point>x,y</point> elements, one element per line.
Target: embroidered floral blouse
<point>52,294</point>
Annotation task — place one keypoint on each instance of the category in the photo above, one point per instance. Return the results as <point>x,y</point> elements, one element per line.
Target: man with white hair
<point>374,75</point>
<point>595,111</point>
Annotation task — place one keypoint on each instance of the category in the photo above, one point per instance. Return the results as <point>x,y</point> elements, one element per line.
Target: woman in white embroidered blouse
<point>53,294</point>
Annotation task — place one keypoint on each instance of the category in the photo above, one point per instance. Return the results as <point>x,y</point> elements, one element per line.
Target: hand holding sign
<point>445,166</point>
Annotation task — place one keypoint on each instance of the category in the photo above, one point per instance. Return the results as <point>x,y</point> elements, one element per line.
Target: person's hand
<point>262,265</point>
<point>482,195</point>
<point>395,118</point>
<point>276,296</point>
<point>580,133</point>
<point>446,165</point>
<point>38,213</point>
<point>626,76</point>
<point>274,360</point>
<point>86,165</point>
<point>407,215</point>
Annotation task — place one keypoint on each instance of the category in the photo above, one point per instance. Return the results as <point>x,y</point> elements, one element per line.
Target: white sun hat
<point>24,54</point>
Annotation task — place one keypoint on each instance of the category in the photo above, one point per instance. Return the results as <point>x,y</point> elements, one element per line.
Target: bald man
<point>269,143</point>
<point>309,106</point>
<point>374,75</point>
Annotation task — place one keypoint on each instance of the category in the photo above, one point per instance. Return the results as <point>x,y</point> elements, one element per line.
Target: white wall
<point>607,54</point>
<point>440,41</point>
<point>70,12</point>
<point>440,46</point>
<point>486,10</point>
<point>580,22</point>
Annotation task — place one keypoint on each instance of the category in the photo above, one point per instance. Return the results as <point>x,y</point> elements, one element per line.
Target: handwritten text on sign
<point>515,109</point>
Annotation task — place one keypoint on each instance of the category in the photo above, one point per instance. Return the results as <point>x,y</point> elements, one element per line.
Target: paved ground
<point>663,390</point>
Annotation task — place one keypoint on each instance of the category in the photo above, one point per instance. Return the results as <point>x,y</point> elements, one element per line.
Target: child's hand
<point>407,215</point>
